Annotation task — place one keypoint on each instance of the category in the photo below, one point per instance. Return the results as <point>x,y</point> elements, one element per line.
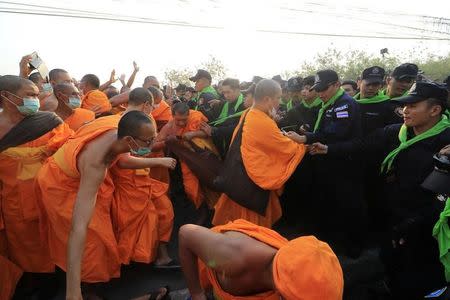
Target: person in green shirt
<point>223,116</point>
<point>205,92</point>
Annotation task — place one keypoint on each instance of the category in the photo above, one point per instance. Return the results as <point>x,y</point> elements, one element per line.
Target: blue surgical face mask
<point>30,105</point>
<point>74,102</point>
<point>47,87</point>
<point>141,151</point>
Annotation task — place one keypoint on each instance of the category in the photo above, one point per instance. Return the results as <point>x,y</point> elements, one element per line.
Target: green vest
<point>208,89</point>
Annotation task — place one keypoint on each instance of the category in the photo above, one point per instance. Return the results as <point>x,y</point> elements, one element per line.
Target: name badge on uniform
<point>342,114</point>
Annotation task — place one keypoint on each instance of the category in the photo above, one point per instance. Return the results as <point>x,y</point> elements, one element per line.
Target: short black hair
<point>140,96</point>
<point>131,123</point>
<point>232,83</point>
<point>155,92</point>
<point>350,82</point>
<point>92,79</point>
<point>309,80</point>
<point>53,74</point>
<point>35,77</point>
<point>180,108</point>
<point>434,101</point>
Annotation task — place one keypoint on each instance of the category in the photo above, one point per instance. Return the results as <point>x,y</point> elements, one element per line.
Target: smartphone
<point>38,64</point>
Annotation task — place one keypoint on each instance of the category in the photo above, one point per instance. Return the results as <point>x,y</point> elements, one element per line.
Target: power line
<point>159,22</point>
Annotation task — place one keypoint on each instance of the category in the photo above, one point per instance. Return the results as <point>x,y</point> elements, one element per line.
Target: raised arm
<point>119,99</point>
<point>111,80</point>
<point>91,178</point>
<point>133,75</point>
<point>216,250</point>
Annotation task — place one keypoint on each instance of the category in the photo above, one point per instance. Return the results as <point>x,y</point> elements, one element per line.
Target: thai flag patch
<point>342,114</point>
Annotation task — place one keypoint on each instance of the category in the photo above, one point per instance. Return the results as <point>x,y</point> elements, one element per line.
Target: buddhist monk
<point>254,262</point>
<point>69,102</point>
<point>27,138</point>
<point>48,99</point>
<point>77,191</point>
<point>93,98</point>
<point>186,124</point>
<point>268,156</point>
<point>140,235</point>
<point>151,81</point>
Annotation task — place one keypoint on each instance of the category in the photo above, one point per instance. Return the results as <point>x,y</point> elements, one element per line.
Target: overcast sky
<point>249,37</point>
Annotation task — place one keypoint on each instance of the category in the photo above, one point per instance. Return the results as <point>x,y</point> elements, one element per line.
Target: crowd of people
<point>86,171</point>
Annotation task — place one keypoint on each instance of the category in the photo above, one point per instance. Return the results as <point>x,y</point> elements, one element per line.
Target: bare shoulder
<point>94,152</point>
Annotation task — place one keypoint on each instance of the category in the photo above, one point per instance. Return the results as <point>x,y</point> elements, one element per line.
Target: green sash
<point>223,114</point>
<point>315,103</point>
<point>208,89</point>
<point>380,97</point>
<point>441,232</point>
<point>404,143</point>
<point>325,106</point>
<point>289,105</point>
<point>404,94</point>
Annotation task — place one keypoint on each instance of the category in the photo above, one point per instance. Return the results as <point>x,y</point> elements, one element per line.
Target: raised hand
<point>25,69</point>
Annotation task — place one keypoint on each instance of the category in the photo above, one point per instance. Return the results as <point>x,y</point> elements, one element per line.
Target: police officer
<point>294,88</point>
<point>303,115</point>
<point>336,208</point>
<point>204,89</point>
<point>376,109</point>
<point>401,80</point>
<point>409,251</point>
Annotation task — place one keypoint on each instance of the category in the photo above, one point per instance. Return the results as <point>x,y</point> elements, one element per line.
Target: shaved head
<point>55,74</point>
<point>65,88</point>
<point>156,93</point>
<point>266,88</point>
<point>140,96</point>
<point>36,78</point>
<point>13,83</point>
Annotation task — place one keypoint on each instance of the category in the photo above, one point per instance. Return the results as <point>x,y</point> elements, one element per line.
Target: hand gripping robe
<point>135,218</point>
<point>19,167</point>
<point>303,269</point>
<point>79,117</point>
<point>269,159</point>
<point>59,180</point>
<point>194,191</point>
<point>162,115</point>
<point>94,100</point>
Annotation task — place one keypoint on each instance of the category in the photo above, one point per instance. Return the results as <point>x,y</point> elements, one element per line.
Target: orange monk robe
<point>208,276</point>
<point>58,181</point>
<point>134,216</point>
<point>19,168</point>
<point>190,181</point>
<point>96,100</point>
<point>10,273</point>
<point>269,158</point>
<point>79,117</point>
<point>162,115</point>
<point>164,209</point>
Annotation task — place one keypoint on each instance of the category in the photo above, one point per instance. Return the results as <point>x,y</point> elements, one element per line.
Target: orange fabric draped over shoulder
<point>269,158</point>
<point>262,234</point>
<point>96,99</point>
<point>190,181</point>
<point>19,168</point>
<point>162,114</point>
<point>79,117</point>
<point>59,180</point>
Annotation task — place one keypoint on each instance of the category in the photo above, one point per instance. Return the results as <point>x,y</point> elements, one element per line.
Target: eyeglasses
<point>147,142</point>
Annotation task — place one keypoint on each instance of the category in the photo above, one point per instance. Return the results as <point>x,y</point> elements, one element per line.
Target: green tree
<point>178,76</point>
<point>349,65</point>
<point>215,67</point>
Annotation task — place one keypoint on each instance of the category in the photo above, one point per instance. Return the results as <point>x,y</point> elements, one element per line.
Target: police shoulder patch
<point>340,108</point>
<point>342,114</point>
